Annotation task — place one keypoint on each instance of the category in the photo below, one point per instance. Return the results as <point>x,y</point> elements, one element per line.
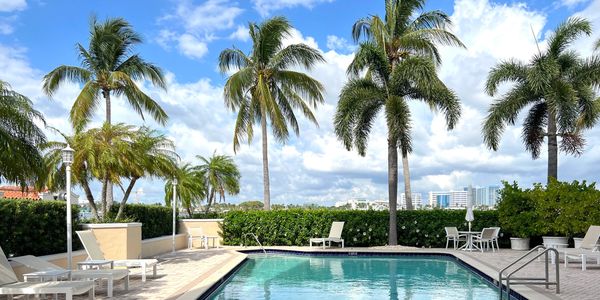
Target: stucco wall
<point>210,227</point>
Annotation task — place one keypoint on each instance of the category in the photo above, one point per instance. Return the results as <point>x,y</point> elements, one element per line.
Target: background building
<point>417,201</point>
<point>448,199</point>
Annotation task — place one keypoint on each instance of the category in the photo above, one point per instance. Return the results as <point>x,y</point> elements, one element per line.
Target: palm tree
<point>264,88</point>
<point>191,187</point>
<point>108,67</point>
<point>221,176</point>
<point>597,45</point>
<point>21,161</point>
<point>400,58</point>
<point>400,35</point>
<point>558,86</point>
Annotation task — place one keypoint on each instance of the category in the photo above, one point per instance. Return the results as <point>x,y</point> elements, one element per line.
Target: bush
<point>35,227</point>
<point>294,227</point>
<point>208,215</point>
<point>516,211</point>
<point>157,220</point>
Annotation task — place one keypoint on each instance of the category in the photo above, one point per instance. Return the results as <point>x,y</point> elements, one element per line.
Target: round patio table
<point>469,245</point>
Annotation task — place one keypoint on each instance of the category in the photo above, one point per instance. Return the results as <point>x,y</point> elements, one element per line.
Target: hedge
<point>35,227</point>
<point>157,220</point>
<point>294,227</point>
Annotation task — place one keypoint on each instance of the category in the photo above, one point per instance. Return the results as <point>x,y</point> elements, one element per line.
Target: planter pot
<point>577,242</point>
<point>519,243</point>
<point>556,241</point>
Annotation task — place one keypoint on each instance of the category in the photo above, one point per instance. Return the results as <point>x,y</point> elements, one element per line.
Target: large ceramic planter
<point>577,242</point>
<point>556,241</point>
<point>118,240</point>
<point>519,243</point>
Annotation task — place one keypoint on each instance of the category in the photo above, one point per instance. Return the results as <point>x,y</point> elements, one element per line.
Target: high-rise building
<point>448,199</point>
<point>484,196</point>
<point>417,200</point>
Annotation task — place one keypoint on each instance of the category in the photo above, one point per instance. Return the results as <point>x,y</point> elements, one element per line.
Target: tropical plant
<point>21,161</point>
<point>190,190</point>
<point>265,87</point>
<point>558,86</point>
<point>400,57</point>
<point>108,68</point>
<point>221,176</point>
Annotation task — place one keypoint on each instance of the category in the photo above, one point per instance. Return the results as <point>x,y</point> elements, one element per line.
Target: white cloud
<point>265,7</point>
<point>570,3</point>
<point>241,33</point>
<point>191,47</point>
<point>338,43</point>
<point>12,5</point>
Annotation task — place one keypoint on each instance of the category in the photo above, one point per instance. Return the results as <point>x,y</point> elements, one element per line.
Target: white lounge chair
<point>335,236</point>
<point>587,249</point>
<point>10,285</point>
<point>88,239</point>
<point>111,276</point>
<point>453,235</point>
<point>485,238</point>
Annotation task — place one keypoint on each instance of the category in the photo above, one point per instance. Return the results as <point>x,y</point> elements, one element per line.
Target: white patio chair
<point>110,275</point>
<point>10,285</point>
<point>453,235</point>
<point>486,237</point>
<point>88,239</point>
<point>587,249</point>
<point>335,236</point>
<point>496,236</point>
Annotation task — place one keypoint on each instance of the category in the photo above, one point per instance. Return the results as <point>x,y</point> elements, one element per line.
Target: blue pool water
<point>290,277</point>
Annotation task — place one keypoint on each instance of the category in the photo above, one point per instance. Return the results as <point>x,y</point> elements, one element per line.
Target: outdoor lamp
<point>67,155</point>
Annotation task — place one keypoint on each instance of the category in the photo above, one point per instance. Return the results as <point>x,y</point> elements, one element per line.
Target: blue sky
<point>185,38</point>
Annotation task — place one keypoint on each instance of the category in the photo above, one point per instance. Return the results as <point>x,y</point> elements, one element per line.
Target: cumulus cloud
<point>265,7</point>
<point>340,44</point>
<point>241,34</point>
<point>190,46</point>
<point>12,5</point>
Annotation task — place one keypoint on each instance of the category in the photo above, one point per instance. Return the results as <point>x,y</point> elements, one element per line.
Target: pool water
<point>290,277</point>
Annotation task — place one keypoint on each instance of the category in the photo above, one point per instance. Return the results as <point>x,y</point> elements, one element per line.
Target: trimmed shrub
<point>208,215</point>
<point>157,220</point>
<point>294,227</point>
<point>35,227</point>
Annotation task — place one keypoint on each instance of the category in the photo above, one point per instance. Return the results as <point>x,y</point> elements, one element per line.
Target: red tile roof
<point>16,192</point>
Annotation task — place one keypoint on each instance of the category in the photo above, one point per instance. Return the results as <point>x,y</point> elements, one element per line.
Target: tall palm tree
<point>21,161</point>
<point>401,34</point>
<point>108,67</point>
<point>399,54</point>
<point>191,187</point>
<point>265,88</point>
<point>558,86</point>
<point>221,175</point>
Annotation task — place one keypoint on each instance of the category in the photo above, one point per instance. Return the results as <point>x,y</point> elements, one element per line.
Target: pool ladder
<point>256,239</point>
<point>530,280</point>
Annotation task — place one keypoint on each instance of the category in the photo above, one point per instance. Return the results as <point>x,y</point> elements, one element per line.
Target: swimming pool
<point>290,277</point>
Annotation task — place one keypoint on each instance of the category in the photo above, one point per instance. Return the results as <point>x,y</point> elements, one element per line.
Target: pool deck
<point>187,274</point>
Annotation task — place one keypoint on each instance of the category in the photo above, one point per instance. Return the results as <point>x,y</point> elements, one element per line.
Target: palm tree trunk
<point>406,177</point>
<point>552,147</point>
<point>266,188</point>
<point>103,198</point>
<point>393,191</point>
<point>109,186</point>
<point>210,200</point>
<point>126,197</point>
<point>90,196</point>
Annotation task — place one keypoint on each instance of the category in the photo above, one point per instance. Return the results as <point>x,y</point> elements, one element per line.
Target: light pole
<point>67,158</point>
<point>174,209</point>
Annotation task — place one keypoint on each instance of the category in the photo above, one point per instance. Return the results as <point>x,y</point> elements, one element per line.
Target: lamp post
<point>174,209</point>
<point>67,158</point>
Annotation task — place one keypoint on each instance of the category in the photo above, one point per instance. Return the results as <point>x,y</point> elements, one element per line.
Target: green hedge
<point>35,227</point>
<point>157,220</point>
<point>420,228</point>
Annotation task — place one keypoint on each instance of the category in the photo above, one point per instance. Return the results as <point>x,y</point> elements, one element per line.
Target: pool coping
<point>220,276</point>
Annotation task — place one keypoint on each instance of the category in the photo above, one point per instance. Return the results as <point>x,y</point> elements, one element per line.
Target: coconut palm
<point>401,34</point>
<point>21,161</point>
<point>221,176</point>
<point>558,87</point>
<point>399,54</point>
<point>108,68</point>
<point>191,187</point>
<point>265,88</point>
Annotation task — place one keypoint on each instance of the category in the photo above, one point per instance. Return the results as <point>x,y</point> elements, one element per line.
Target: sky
<point>185,38</point>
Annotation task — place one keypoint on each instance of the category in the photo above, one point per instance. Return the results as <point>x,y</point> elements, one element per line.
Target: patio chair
<point>335,236</point>
<point>453,235</point>
<point>10,285</point>
<point>88,239</point>
<point>111,276</point>
<point>587,249</point>
<point>486,237</point>
<point>496,236</point>
<point>196,234</point>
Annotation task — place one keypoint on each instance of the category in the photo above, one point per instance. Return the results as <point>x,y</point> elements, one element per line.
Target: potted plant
<point>517,215</point>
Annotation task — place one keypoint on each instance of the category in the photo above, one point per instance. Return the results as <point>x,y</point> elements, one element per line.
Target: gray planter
<point>519,243</point>
<point>556,241</point>
<point>577,242</point>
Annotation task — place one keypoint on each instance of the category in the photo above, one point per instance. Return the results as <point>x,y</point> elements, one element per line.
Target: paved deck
<point>185,274</point>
